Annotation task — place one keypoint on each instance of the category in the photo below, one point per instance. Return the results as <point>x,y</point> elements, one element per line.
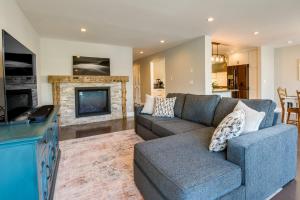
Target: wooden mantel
<point>57,80</point>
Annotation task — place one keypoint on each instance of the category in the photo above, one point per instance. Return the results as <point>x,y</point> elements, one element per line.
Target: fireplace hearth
<point>91,101</point>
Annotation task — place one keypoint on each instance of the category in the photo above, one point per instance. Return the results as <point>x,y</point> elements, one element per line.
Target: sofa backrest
<point>180,98</point>
<point>226,106</point>
<point>200,108</point>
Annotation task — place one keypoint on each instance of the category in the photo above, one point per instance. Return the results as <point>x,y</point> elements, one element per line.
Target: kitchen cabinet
<point>238,81</point>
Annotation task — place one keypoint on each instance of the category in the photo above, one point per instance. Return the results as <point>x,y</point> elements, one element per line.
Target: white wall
<point>248,56</point>
<point>266,70</point>
<point>286,69</point>
<point>15,23</point>
<point>188,68</point>
<point>206,61</point>
<point>56,59</point>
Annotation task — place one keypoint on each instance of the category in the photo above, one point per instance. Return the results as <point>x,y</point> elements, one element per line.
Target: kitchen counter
<point>224,90</point>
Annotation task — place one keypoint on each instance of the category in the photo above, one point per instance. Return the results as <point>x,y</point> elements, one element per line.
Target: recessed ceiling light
<point>83,30</point>
<point>256,33</point>
<point>290,42</point>
<point>210,19</point>
<point>162,41</point>
<point>141,52</point>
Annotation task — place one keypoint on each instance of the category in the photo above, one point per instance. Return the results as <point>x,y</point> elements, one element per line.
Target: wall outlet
<point>192,82</point>
<point>191,70</point>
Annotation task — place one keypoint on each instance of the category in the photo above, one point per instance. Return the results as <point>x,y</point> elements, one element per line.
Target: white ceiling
<point>141,24</point>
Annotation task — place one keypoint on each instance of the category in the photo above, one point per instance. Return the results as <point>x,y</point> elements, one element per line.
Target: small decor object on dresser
<point>164,107</point>
<point>90,66</point>
<point>231,126</point>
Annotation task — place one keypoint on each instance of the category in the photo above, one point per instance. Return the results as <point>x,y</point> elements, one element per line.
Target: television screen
<point>18,64</point>
<point>18,60</point>
<point>18,90</point>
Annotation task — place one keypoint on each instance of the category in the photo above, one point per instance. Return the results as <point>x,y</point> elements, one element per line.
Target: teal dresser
<point>29,156</point>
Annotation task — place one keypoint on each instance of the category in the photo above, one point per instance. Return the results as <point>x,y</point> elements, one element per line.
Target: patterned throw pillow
<point>164,107</point>
<point>231,126</point>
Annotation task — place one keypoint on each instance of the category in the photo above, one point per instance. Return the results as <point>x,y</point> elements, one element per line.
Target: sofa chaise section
<point>181,167</point>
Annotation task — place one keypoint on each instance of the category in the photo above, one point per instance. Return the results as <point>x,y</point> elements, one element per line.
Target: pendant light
<point>217,58</point>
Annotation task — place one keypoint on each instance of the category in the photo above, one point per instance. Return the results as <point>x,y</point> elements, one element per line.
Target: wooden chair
<point>282,95</point>
<point>295,110</point>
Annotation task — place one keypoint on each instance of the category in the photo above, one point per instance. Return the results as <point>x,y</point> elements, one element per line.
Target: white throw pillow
<point>164,107</point>
<point>149,105</point>
<point>253,117</point>
<point>231,126</point>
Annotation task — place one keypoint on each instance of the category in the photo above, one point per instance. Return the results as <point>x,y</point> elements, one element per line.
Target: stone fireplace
<point>92,101</point>
<point>87,99</point>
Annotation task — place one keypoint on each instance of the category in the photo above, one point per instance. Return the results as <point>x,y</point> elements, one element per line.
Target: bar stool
<point>295,110</point>
<point>282,95</point>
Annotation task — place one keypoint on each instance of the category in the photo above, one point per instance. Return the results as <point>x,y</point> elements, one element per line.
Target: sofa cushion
<point>147,120</point>
<point>174,127</point>
<point>226,106</point>
<point>180,98</point>
<point>179,172</point>
<point>200,108</point>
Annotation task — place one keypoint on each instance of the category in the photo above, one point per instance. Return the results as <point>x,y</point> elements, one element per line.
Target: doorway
<point>158,77</point>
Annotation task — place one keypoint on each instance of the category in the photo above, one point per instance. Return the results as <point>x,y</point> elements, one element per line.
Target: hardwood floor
<point>290,192</point>
<point>85,130</point>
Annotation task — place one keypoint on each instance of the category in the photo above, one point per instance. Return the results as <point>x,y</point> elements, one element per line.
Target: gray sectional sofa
<point>175,163</point>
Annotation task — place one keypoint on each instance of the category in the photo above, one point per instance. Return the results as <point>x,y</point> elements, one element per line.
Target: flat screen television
<point>19,83</point>
<point>18,60</point>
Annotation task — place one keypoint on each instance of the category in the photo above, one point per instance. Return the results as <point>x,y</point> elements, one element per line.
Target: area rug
<point>97,167</point>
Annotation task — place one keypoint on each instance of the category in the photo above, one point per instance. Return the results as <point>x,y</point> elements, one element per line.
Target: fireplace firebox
<point>91,101</point>
<point>18,101</point>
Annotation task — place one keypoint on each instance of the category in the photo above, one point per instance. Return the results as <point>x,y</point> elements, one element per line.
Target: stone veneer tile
<point>67,103</point>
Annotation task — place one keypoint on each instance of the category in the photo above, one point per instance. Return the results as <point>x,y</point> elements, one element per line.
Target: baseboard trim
<point>273,195</point>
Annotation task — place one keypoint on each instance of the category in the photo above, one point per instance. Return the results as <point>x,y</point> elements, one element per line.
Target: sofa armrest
<point>138,108</point>
<point>277,118</point>
<point>268,159</point>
